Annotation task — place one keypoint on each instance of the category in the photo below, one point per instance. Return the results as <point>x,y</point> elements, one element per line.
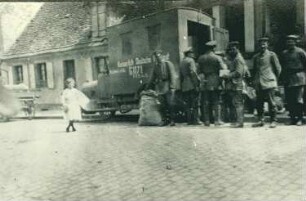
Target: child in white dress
<point>72,100</point>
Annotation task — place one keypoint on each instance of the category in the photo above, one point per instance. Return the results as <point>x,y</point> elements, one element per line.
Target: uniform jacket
<point>209,65</point>
<point>164,77</point>
<point>266,70</point>
<point>294,67</point>
<point>189,76</point>
<point>237,68</point>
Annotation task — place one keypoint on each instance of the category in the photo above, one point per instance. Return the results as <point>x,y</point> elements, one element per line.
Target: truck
<point>129,63</point>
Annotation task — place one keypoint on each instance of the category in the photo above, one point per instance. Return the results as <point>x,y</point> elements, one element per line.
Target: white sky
<point>15,17</point>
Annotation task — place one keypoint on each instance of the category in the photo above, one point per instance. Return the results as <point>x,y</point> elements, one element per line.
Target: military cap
<point>263,39</point>
<point>211,43</point>
<point>157,51</point>
<point>233,44</point>
<point>292,37</point>
<point>189,50</point>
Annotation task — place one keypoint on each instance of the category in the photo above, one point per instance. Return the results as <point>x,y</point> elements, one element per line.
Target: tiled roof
<point>57,25</point>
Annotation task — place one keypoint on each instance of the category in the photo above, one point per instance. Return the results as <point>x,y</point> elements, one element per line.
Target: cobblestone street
<point>121,161</point>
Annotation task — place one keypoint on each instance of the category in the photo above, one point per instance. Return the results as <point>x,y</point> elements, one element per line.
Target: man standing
<point>234,83</point>
<point>266,73</point>
<point>190,87</point>
<point>294,65</point>
<point>166,81</point>
<point>209,66</point>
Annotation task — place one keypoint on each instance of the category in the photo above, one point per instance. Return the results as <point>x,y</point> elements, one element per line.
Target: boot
<point>217,115</point>
<point>188,114</point>
<point>196,120</point>
<point>273,124</point>
<point>260,123</point>
<point>205,114</point>
<point>239,116</point>
<point>299,115</point>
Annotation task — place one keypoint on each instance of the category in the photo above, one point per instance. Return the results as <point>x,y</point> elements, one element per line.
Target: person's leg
<point>205,107</point>
<point>188,111</point>
<point>260,108</point>
<point>299,104</point>
<point>170,97</point>
<point>163,109</point>
<point>231,106</point>
<point>239,108</point>
<point>289,94</point>
<point>194,100</point>
<point>215,95</point>
<point>72,125</point>
<point>270,93</point>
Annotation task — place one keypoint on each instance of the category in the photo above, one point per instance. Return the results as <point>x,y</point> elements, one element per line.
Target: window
<point>17,74</point>
<point>154,37</point>
<point>101,65</point>
<point>69,69</point>
<point>41,75</point>
<point>126,44</point>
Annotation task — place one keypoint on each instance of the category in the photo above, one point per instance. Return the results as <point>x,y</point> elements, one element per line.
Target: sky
<point>14,18</point>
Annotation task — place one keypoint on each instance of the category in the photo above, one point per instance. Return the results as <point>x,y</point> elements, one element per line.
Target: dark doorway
<point>198,35</point>
<point>69,69</point>
<point>282,22</point>
<point>234,22</point>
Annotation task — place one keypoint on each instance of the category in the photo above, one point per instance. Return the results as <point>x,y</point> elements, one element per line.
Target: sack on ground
<point>149,109</point>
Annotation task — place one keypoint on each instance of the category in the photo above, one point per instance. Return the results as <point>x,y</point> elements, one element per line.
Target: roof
<point>163,11</point>
<point>56,26</point>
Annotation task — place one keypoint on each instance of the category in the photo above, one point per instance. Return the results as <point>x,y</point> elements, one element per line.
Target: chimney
<point>98,18</point>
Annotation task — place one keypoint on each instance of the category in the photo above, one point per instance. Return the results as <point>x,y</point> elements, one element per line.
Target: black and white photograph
<point>153,100</point>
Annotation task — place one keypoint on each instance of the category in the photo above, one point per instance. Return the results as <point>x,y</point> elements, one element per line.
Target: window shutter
<point>10,75</point>
<point>25,75</point>
<point>32,81</point>
<point>50,75</point>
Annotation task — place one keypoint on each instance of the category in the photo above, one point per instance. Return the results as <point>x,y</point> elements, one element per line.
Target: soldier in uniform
<point>266,73</point>
<point>190,87</point>
<point>209,66</point>
<point>234,83</point>
<point>294,77</point>
<point>165,80</point>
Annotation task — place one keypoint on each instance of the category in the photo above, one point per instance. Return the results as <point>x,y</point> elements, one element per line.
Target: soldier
<point>266,73</point>
<point>190,87</point>
<point>234,83</point>
<point>166,82</point>
<point>209,66</point>
<point>294,65</point>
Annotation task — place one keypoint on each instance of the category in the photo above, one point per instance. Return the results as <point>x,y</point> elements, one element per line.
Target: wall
<point>125,80</point>
<point>51,94</point>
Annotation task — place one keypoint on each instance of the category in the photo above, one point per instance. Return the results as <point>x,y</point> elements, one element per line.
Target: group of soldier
<point>204,80</point>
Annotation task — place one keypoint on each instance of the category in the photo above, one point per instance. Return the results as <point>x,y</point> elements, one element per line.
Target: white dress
<point>73,100</point>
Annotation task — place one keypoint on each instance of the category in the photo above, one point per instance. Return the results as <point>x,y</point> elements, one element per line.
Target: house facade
<point>68,39</point>
<point>60,42</point>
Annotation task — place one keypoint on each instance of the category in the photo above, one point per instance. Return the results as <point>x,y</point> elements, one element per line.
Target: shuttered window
<point>41,75</point>
<point>17,74</point>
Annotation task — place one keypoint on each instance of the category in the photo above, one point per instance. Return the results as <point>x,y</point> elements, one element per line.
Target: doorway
<point>198,35</point>
<point>69,69</point>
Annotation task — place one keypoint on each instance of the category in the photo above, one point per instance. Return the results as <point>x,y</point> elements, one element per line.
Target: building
<point>61,41</point>
<point>68,39</point>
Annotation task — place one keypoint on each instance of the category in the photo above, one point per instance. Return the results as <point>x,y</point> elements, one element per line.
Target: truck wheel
<point>106,115</point>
